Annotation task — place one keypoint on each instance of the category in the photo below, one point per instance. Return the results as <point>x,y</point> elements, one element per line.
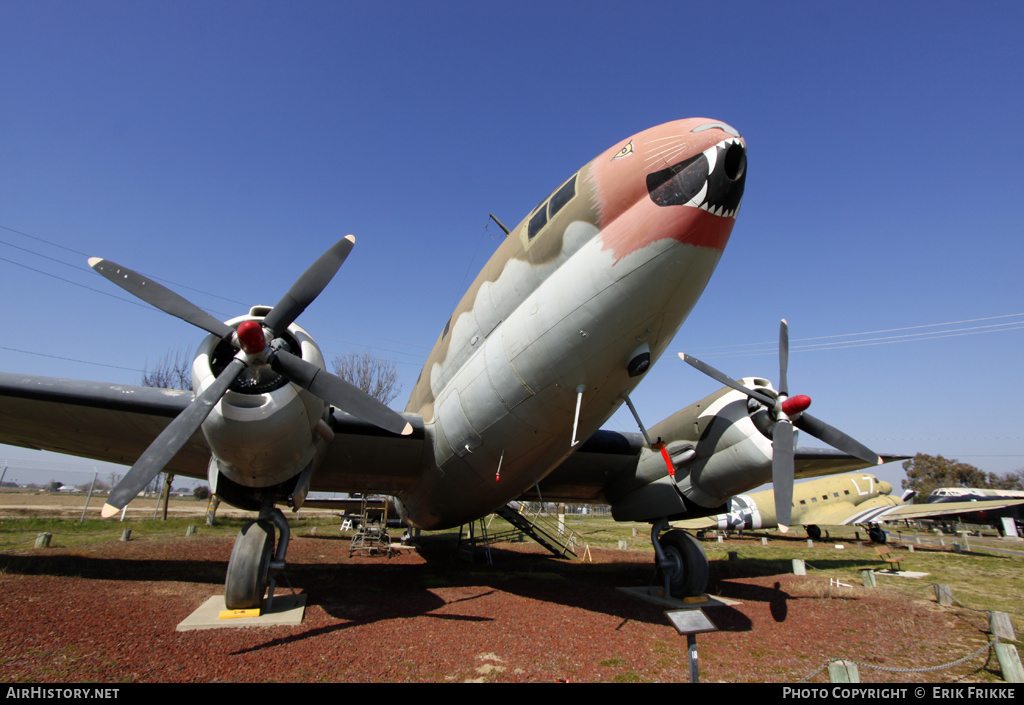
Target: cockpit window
<point>563,195</point>
<point>554,203</point>
<point>538,221</point>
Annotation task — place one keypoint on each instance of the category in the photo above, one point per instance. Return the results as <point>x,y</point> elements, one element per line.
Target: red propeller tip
<point>251,338</point>
<point>796,405</point>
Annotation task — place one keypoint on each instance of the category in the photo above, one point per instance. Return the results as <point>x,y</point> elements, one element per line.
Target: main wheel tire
<point>249,566</point>
<point>688,574</point>
<point>813,532</point>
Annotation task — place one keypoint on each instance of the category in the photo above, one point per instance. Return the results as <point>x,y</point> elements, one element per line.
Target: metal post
<point>168,479</point>
<point>156,508</point>
<point>691,623</point>
<point>89,496</point>
<point>691,647</point>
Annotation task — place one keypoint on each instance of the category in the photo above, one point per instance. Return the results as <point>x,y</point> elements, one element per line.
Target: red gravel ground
<point>107,614</point>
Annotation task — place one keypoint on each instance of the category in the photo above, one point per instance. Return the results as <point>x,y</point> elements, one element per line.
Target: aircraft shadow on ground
<point>379,589</point>
<point>368,591</point>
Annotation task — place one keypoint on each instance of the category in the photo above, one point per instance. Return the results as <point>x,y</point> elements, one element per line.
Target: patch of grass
<point>977,579</point>
<point>22,532</point>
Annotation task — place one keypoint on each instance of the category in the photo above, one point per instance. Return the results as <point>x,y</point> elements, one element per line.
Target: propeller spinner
<point>254,343</point>
<point>787,412</point>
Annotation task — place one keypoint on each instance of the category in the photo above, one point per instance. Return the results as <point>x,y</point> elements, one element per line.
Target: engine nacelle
<point>265,430</point>
<point>718,449</point>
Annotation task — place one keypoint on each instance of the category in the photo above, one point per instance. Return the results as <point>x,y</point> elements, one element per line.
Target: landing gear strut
<point>682,563</point>
<point>252,559</point>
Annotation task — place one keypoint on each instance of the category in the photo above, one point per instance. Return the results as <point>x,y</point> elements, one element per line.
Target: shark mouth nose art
<point>712,180</point>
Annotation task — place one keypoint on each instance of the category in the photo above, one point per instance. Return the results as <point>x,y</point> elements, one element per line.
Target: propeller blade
<point>170,441</point>
<point>783,358</point>
<point>836,438</point>
<point>726,380</point>
<point>336,391</point>
<point>307,287</point>
<point>783,471</point>
<point>160,296</point>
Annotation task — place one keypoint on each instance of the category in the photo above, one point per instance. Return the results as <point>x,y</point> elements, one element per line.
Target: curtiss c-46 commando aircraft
<point>563,322</point>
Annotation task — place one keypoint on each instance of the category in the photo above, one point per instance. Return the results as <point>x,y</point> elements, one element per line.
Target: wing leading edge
<point>116,423</point>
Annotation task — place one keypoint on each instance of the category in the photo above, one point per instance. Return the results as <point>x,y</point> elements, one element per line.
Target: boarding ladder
<point>562,541</point>
<point>542,528</point>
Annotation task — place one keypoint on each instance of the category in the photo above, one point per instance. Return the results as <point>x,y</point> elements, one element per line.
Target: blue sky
<point>221,146</point>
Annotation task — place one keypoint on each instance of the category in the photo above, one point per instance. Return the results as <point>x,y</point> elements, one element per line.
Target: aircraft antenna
<point>500,224</point>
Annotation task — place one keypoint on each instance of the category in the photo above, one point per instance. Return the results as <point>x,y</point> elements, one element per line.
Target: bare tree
<point>174,371</point>
<point>374,375</point>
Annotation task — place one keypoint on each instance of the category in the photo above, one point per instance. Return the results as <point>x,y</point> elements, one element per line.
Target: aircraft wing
<point>116,423</point>
<point>927,510</point>
<point>818,462</point>
<point>609,460</point>
<point>110,422</point>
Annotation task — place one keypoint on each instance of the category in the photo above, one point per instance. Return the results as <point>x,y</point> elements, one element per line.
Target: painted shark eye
<point>624,152</point>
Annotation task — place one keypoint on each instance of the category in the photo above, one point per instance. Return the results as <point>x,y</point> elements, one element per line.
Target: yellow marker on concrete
<point>232,614</point>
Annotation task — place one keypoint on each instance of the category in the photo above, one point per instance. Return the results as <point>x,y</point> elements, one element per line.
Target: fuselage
<point>602,272</point>
<point>814,502</point>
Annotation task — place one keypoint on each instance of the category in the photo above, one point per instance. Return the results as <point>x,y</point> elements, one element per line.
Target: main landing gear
<point>252,559</point>
<point>681,561</point>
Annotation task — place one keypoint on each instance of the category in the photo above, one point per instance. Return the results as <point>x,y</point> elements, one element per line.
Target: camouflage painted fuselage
<point>606,268</point>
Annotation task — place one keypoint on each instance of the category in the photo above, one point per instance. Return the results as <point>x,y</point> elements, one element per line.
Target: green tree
<point>927,473</point>
<point>1010,481</point>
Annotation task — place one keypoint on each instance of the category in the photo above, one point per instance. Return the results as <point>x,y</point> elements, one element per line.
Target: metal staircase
<point>542,528</point>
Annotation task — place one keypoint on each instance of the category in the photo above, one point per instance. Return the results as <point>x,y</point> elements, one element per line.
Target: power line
<point>854,342</point>
<point>77,267</point>
<point>69,359</point>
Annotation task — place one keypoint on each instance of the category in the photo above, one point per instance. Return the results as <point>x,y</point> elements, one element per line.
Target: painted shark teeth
<point>711,180</point>
<point>712,155</point>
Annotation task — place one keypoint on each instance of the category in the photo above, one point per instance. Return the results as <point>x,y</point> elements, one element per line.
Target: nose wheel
<point>681,561</point>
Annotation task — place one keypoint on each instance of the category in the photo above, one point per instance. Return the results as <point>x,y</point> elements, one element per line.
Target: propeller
<point>786,413</point>
<point>257,344</point>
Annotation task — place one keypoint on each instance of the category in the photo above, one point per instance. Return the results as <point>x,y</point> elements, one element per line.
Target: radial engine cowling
<point>717,449</point>
<point>264,430</point>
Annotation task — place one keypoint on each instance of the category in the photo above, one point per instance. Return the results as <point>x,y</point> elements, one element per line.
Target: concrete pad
<point>287,611</point>
<point>901,573</point>
<point>653,595</point>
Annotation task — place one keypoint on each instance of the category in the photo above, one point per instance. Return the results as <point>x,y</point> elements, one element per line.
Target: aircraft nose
<point>712,180</point>
<point>735,162</point>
